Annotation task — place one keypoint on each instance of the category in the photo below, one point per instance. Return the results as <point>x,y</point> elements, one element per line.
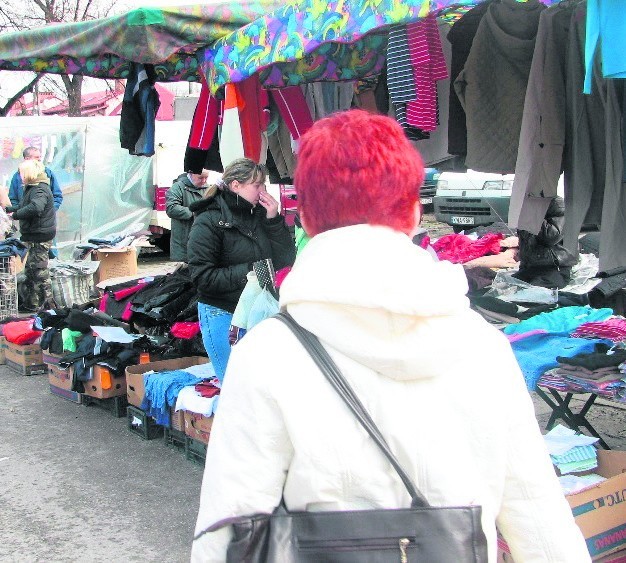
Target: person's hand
<point>4,197</point>
<point>270,204</point>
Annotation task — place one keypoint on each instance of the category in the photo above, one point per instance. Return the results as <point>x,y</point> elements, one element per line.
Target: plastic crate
<point>159,198</point>
<point>195,450</point>
<point>174,438</point>
<point>141,424</point>
<point>115,405</point>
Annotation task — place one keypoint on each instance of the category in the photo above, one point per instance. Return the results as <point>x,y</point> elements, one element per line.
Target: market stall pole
<point>8,287</point>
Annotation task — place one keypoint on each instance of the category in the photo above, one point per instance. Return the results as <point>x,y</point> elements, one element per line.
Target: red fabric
<point>185,330</point>
<point>123,293</point>
<point>103,303</point>
<point>253,115</point>
<point>205,119</point>
<point>281,275</point>
<point>21,332</point>
<point>429,65</point>
<point>460,248</point>
<point>292,107</point>
<point>128,312</point>
<point>207,389</point>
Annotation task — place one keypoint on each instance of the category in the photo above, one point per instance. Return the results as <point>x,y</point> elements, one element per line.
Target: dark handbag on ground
<point>421,533</point>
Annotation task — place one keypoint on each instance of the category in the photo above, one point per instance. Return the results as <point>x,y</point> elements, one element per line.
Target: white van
<point>469,199</point>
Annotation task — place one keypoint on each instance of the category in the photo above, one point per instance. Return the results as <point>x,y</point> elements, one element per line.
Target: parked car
<point>469,199</point>
<point>427,191</point>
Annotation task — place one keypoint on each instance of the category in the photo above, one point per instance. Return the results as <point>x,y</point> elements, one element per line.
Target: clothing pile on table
<point>164,305</point>
<point>598,372</point>
<point>193,389</point>
<point>537,342</point>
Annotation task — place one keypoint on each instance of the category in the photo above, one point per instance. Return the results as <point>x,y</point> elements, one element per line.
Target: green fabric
<point>302,239</point>
<point>146,16</point>
<point>69,339</point>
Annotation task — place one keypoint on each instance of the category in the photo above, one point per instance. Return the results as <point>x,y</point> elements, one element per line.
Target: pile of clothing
<point>164,306</point>
<point>598,372</point>
<point>537,342</point>
<point>573,453</point>
<point>193,389</point>
<point>69,333</point>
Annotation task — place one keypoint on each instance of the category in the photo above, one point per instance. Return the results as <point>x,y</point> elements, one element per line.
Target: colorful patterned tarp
<point>316,40</point>
<point>286,42</point>
<point>104,48</point>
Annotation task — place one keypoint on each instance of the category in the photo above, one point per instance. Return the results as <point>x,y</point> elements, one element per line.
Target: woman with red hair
<point>441,384</point>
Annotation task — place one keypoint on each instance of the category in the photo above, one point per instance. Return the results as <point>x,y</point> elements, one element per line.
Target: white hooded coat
<point>442,385</point>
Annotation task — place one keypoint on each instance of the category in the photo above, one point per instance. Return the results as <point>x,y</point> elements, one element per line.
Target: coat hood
<point>371,294</point>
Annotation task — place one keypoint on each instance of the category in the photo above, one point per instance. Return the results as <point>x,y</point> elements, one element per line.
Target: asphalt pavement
<point>77,485</point>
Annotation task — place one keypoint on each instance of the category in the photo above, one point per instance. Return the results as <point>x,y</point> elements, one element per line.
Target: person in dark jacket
<point>37,218</point>
<point>16,188</point>
<point>544,261</point>
<point>187,189</point>
<point>236,224</point>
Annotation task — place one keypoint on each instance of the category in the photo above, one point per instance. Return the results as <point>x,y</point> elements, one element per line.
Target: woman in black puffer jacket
<point>236,224</point>
<point>544,261</point>
<point>37,219</point>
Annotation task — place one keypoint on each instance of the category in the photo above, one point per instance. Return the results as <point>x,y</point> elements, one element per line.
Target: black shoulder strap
<point>330,370</point>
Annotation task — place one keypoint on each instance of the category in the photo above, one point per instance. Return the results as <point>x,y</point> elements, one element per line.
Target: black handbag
<point>421,533</point>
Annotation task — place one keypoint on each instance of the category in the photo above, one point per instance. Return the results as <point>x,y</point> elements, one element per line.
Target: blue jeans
<point>214,325</point>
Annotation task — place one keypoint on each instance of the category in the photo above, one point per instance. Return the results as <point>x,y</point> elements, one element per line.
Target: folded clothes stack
<point>570,451</point>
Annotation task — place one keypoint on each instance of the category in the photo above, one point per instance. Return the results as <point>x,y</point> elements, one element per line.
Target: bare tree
<point>16,15</point>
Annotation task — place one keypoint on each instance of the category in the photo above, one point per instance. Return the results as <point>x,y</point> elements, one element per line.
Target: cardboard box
<point>177,420</point>
<point>134,375</point>
<point>25,359</point>
<point>600,511</point>
<point>66,394</point>
<point>616,557</point>
<point>50,358</point>
<point>98,388</point>
<point>3,342</point>
<point>198,426</point>
<point>115,262</point>
<point>61,378</point>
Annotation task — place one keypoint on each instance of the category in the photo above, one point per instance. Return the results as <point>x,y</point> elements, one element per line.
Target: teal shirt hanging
<point>606,29</point>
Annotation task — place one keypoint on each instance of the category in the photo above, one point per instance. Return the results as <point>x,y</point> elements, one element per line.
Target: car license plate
<point>425,200</point>
<point>462,220</point>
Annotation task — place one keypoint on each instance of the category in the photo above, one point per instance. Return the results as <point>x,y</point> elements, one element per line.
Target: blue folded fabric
<point>162,389</point>
<point>537,354</point>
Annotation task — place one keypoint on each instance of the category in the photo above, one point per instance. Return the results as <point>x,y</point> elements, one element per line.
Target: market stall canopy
<point>316,40</point>
<point>312,40</point>
<point>168,38</point>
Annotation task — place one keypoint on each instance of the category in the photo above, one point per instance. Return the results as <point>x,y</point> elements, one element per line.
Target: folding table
<point>560,405</point>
